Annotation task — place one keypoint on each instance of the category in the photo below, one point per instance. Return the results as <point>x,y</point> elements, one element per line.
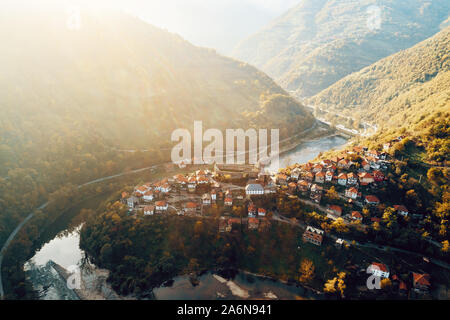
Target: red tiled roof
<point>161,203</point>
<point>400,207</point>
<point>191,205</point>
<point>421,279</point>
<point>336,208</point>
<point>357,215</point>
<point>380,266</point>
<point>372,199</point>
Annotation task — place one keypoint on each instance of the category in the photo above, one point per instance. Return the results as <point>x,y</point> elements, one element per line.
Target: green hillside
<point>318,43</point>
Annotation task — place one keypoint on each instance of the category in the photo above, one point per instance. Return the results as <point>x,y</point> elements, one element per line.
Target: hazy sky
<point>220,24</point>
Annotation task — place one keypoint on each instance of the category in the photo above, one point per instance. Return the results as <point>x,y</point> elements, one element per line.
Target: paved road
<point>20,226</point>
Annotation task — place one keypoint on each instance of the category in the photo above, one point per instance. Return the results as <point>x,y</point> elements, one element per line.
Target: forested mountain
<point>72,92</point>
<point>410,89</point>
<point>319,42</point>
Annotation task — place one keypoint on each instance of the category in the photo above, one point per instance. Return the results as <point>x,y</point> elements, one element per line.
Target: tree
<point>332,194</point>
<point>445,246</point>
<point>306,271</point>
<point>336,285</point>
<point>385,284</point>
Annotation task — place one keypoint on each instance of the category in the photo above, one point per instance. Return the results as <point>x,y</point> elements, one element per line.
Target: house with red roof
<point>261,212</point>
<point>372,200</point>
<point>149,210</point>
<point>352,178</point>
<point>313,235</point>
<point>421,282</point>
<point>228,201</point>
<point>252,210</point>
<point>366,178</point>
<point>335,210</point>
<point>320,177</point>
<point>352,193</point>
<point>402,210</point>
<point>378,270</point>
<point>378,176</point>
<point>357,216</point>
<point>342,179</point>
<point>161,206</point>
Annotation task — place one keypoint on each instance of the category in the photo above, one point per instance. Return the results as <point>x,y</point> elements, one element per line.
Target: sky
<point>218,24</point>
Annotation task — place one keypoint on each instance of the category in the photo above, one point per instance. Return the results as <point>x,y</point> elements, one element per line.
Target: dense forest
<point>319,42</point>
<point>409,89</point>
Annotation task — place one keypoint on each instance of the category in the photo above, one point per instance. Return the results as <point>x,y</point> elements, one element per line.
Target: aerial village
<point>241,195</point>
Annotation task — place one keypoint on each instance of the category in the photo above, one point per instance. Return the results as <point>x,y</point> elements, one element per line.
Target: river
<point>63,249</point>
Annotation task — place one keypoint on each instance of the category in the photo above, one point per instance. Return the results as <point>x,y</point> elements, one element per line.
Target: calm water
<point>308,151</point>
<point>64,250</point>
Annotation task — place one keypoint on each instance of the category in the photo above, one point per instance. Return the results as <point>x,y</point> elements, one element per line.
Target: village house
<point>344,164</point>
<point>132,201</point>
<point>335,210</point>
<point>165,188</point>
<point>402,210</point>
<point>374,164</point>
<point>190,207</point>
<point>317,168</point>
<point>282,179</point>
<point>261,212</point>
<point>378,270</point>
<point>365,165</point>
<point>292,187</point>
<point>320,177</point>
<point>387,146</point>
<point>202,180</point>
<point>351,193</point>
<point>254,188</point>
<point>192,184</point>
<point>378,176</point>
<point>252,211</point>
<point>303,186</point>
<point>161,206</point>
<point>373,153</point>
<point>357,216</point>
<point>329,176</point>
<point>316,193</point>
<point>206,199</point>
<point>228,201</point>
<point>253,224</point>
<point>366,178</point>
<point>148,196</point>
<point>295,174</point>
<point>313,235</point>
<point>342,179</point>
<point>309,176</point>
<point>372,200</point>
<point>421,282</point>
<point>149,210</point>
<point>141,190</point>
<point>352,178</point>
